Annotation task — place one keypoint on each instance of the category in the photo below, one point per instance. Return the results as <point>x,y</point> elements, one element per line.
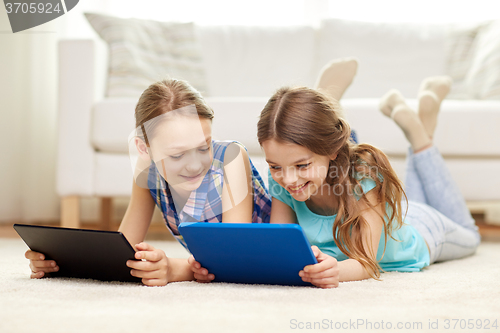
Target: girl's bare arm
<point>351,269</point>
<point>135,223</point>
<point>237,191</point>
<point>282,213</point>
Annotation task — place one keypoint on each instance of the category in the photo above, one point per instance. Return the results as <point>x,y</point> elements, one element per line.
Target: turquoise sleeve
<point>367,184</point>
<point>278,192</point>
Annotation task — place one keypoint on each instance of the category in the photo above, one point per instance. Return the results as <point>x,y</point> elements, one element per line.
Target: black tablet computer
<point>85,254</point>
<point>250,252</point>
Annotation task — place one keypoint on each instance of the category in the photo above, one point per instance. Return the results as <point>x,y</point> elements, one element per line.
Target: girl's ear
<point>142,149</point>
<point>333,156</point>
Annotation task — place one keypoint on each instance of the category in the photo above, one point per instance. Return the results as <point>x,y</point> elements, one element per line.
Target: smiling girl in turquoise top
<point>348,199</point>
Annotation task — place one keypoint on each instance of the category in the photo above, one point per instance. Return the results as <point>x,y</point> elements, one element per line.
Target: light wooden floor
<point>158,231</point>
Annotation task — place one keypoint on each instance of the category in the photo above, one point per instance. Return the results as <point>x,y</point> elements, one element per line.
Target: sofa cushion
<point>460,45</point>
<point>483,78</point>
<point>391,55</point>
<point>255,61</point>
<point>144,51</point>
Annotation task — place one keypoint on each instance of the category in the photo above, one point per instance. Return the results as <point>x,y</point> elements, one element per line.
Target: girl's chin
<point>189,186</point>
<point>186,186</point>
<point>300,198</point>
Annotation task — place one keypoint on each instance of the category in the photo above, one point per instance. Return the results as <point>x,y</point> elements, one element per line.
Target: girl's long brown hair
<point>311,119</point>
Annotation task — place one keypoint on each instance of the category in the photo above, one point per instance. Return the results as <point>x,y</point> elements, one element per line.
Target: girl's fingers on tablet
<point>192,261</point>
<point>31,255</point>
<point>201,271</point>
<point>150,255</point>
<point>145,274</point>
<point>144,255</point>
<point>142,265</point>
<point>318,275</point>
<point>321,266</point>
<point>322,283</point>
<point>204,278</point>
<point>40,273</point>
<point>43,266</point>
<point>144,247</point>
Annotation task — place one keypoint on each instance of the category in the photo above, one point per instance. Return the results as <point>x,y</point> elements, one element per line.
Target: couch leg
<point>106,213</point>
<point>70,212</point>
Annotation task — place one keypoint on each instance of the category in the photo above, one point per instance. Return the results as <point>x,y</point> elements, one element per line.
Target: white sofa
<point>244,65</point>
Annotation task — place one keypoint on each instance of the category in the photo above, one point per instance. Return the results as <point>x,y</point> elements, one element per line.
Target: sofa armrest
<point>75,159</point>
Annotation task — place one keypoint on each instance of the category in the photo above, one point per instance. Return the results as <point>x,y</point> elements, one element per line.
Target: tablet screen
<point>86,254</point>
<point>250,252</point>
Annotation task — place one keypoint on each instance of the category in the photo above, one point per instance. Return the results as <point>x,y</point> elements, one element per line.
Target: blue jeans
<point>437,209</point>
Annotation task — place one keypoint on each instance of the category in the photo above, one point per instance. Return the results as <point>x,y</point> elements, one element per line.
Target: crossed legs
<point>441,215</point>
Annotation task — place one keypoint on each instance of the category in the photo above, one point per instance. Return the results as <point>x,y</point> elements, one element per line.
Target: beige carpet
<point>467,289</point>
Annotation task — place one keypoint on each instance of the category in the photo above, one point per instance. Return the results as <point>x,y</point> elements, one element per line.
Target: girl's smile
<point>193,178</point>
<point>298,189</point>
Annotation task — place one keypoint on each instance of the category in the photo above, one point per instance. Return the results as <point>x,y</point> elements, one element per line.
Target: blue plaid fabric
<point>354,136</point>
<point>205,203</point>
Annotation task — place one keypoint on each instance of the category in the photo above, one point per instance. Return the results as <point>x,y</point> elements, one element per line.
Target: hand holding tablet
<point>86,254</point>
<point>250,252</point>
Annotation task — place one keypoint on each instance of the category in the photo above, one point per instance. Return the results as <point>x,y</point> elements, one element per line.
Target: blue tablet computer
<point>250,252</point>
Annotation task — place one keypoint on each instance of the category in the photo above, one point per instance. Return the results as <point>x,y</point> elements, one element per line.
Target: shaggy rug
<point>456,296</point>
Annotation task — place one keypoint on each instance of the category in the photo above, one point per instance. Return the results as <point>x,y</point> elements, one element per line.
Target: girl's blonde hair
<point>309,118</point>
<point>165,96</point>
